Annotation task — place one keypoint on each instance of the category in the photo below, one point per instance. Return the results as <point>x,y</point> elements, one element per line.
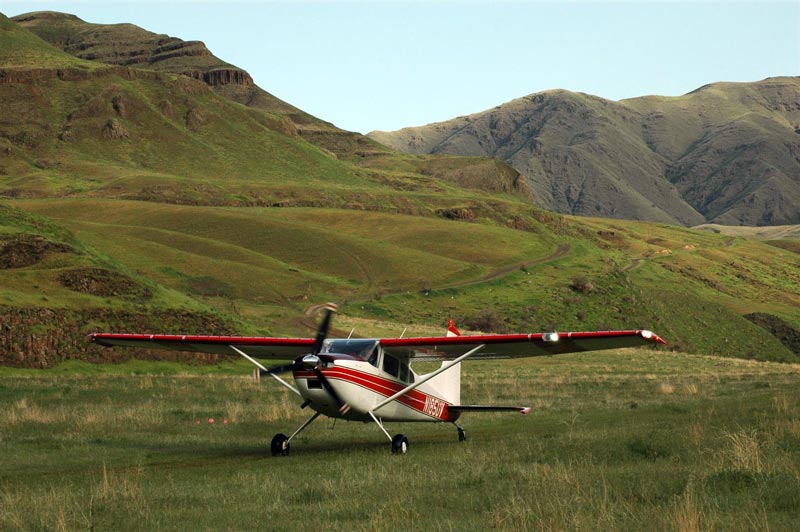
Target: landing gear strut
<point>280,442</point>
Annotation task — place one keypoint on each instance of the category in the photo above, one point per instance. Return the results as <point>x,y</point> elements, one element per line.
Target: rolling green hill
<point>726,153</point>
<point>136,199</point>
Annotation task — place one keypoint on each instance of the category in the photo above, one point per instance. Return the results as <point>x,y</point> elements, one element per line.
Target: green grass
<point>619,440</point>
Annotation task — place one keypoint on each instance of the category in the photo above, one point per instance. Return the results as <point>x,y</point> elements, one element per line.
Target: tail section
<point>452,388</point>
<point>448,383</point>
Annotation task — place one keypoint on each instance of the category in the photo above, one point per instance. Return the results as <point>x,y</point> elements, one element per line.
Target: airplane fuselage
<point>361,386</point>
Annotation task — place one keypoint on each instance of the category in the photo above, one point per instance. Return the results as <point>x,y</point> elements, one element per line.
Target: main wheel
<point>280,445</point>
<point>400,444</point>
<point>462,434</point>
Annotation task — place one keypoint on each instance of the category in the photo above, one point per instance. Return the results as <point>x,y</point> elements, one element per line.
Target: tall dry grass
<point>743,451</point>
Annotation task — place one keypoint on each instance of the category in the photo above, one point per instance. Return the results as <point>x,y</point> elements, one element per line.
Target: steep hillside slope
<point>734,149</point>
<point>24,49</point>
<point>726,153</point>
<point>130,45</point>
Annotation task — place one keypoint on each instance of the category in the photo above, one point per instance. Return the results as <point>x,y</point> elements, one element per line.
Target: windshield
<point>365,349</point>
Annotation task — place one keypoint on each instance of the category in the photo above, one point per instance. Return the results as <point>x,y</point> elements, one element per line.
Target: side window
<point>405,372</point>
<point>397,368</point>
<point>391,365</point>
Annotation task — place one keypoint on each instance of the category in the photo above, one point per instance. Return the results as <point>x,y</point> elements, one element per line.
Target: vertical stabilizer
<point>448,383</point>
<point>451,329</point>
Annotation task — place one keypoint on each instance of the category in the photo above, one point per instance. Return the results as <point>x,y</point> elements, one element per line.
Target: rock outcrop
<point>131,46</point>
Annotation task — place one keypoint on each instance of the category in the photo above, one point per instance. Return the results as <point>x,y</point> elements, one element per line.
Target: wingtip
<point>525,410</point>
<point>650,335</point>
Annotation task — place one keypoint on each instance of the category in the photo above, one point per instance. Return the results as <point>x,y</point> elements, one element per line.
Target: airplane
<point>371,379</point>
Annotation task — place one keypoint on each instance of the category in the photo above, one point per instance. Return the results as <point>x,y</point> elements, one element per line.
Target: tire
<point>280,445</point>
<point>400,444</point>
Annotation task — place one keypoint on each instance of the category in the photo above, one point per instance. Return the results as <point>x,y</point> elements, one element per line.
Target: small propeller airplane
<point>371,380</point>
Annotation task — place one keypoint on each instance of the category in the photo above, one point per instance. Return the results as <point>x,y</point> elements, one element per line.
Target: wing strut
<point>267,371</point>
<point>426,379</point>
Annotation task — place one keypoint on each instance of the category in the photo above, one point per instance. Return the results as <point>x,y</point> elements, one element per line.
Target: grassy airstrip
<point>635,439</point>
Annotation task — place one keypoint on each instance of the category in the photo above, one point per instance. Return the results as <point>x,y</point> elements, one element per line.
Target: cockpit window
<point>357,347</point>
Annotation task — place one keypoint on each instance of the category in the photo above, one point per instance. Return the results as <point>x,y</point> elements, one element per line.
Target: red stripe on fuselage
<point>414,399</point>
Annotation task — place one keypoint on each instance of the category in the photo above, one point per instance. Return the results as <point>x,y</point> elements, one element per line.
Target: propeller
<point>277,370</point>
<point>308,361</point>
<point>322,332</point>
<point>312,361</point>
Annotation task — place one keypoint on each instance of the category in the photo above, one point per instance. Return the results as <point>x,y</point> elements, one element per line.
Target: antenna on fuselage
<point>404,332</point>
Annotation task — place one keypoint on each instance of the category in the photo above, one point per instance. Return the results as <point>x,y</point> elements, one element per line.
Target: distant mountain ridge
<point>726,153</point>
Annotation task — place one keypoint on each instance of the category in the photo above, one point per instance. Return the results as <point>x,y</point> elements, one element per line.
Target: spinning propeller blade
<point>322,334</point>
<point>277,370</point>
<point>312,360</point>
<point>343,407</point>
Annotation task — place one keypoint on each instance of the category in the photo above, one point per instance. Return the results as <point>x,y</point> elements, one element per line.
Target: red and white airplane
<point>372,379</point>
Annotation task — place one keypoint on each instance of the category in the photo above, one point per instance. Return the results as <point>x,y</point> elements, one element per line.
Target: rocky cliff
<point>130,45</point>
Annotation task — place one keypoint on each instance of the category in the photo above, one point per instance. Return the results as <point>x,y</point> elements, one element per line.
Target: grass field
<point>636,440</point>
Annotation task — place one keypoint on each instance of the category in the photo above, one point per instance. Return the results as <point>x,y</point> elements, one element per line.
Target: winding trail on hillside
<point>634,263</point>
<point>311,315</point>
<point>560,251</point>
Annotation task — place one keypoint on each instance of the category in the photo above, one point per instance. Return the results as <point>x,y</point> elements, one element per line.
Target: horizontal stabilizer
<point>489,408</point>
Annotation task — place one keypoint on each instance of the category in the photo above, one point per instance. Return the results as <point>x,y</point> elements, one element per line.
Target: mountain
<point>149,200</point>
<point>726,153</point>
<point>154,110</point>
<point>132,46</point>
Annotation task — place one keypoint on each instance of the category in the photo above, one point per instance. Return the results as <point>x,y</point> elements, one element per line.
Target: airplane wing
<point>259,347</point>
<point>435,347</point>
<point>516,345</point>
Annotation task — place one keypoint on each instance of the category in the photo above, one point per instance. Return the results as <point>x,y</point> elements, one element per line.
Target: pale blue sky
<point>386,65</point>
